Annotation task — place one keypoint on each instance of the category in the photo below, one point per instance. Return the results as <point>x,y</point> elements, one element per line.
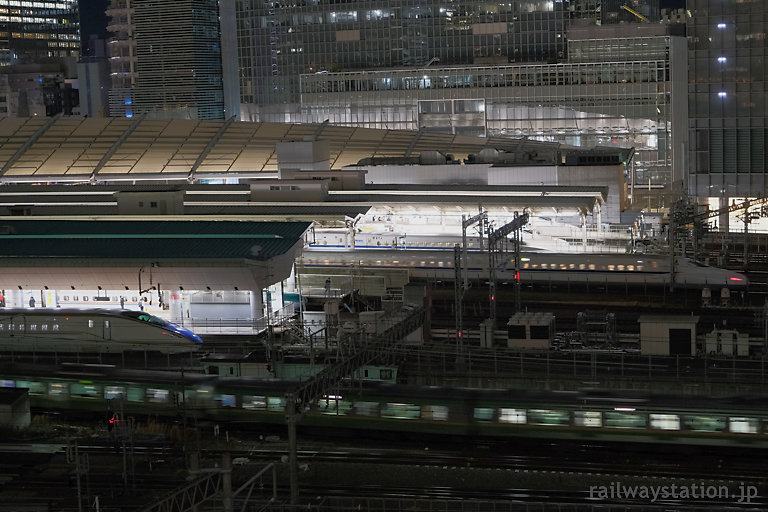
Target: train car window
<point>620,268</point>
<point>157,395</point>
<point>7,383</point>
<point>587,419</point>
<point>434,412</point>
<point>44,327</point>
<point>226,400</point>
<point>705,423</point>
<point>111,392</point>
<point>55,327</point>
<point>333,406</point>
<point>548,417</point>
<point>135,394</point>
<point>2,327</point>
<point>85,298</point>
<point>664,421</point>
<point>85,390</point>
<point>32,327</point>
<point>483,414</point>
<point>275,403</point>
<point>58,389</point>
<point>591,266</point>
<point>254,402</point>
<point>35,388</point>
<point>400,411</point>
<point>385,374</point>
<point>90,323</point>
<point>516,416</point>
<point>624,420</point>
<point>66,297</point>
<point>106,324</point>
<point>365,408</point>
<point>743,425</point>
<point>582,266</point>
<point>631,268</point>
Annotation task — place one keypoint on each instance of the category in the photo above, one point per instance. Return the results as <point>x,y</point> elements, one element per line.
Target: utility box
<point>531,331</point>
<point>487,333</point>
<point>668,335</point>
<point>726,342</point>
<point>14,408</point>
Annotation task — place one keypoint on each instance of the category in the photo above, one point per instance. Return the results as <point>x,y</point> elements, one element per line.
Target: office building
<point>727,98</point>
<point>165,59</point>
<point>544,70</point>
<point>35,32</point>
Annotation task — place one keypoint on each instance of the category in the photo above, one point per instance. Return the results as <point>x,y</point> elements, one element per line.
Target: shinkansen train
<point>91,331</point>
<point>339,239</point>
<point>408,411</point>
<point>539,268</point>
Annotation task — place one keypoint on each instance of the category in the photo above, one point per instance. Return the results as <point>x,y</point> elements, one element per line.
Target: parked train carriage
<point>91,330</point>
<point>541,268</point>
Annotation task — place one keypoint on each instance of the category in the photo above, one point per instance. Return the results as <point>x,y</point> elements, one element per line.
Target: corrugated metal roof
<point>148,239</point>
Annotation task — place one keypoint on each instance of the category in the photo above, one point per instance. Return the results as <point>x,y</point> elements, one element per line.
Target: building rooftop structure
<point>91,150</point>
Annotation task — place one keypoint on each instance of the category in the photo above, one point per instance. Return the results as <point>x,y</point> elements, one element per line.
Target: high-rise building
<point>279,41</point>
<point>35,32</point>
<point>165,58</point>
<point>728,121</point>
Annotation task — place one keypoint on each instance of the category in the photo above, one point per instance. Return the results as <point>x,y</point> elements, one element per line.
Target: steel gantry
<point>305,396</point>
<point>461,281</point>
<point>497,255</point>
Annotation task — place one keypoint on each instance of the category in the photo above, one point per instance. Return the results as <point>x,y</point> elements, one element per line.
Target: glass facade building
<point>165,59</point>
<point>278,41</point>
<point>31,32</point>
<point>728,132</point>
<point>542,69</point>
<point>617,93</point>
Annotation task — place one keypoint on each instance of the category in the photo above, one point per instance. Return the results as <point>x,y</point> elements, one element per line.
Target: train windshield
<point>146,317</point>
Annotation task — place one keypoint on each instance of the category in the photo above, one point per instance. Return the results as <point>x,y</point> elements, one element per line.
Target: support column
<point>599,211</point>
<point>723,218</point>
<point>257,305</point>
<point>14,298</point>
<point>584,231</point>
<point>176,306</point>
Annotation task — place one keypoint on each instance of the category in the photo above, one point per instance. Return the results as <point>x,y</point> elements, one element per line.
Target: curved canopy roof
<point>77,149</point>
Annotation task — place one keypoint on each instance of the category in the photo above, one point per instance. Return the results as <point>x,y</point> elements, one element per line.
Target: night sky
<point>93,20</point>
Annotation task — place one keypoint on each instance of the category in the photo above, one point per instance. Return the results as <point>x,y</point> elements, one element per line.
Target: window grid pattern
<point>728,129</point>
<point>30,31</point>
<point>619,104</point>
<point>168,61</point>
<point>278,42</point>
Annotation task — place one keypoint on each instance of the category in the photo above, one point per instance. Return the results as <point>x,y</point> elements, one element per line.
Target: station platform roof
<point>194,254</point>
<point>77,149</point>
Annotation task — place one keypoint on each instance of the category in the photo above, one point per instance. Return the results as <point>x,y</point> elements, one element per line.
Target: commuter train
<point>91,331</point>
<point>538,267</point>
<point>387,410</point>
